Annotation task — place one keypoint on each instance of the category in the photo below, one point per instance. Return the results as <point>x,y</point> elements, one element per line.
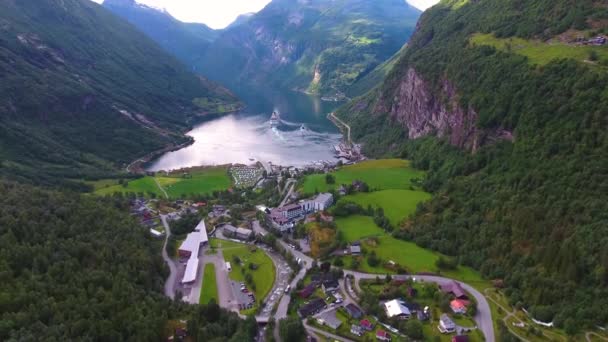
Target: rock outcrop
<point>423,111</point>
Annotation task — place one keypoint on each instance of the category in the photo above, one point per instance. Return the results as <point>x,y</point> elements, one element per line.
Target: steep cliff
<point>505,106</point>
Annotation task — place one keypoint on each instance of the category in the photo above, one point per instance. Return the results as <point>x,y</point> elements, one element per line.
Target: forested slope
<point>75,267</point>
<point>517,151</point>
<point>83,92</point>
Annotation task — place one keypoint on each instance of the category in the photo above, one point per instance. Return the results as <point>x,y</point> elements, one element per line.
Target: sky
<point>218,14</point>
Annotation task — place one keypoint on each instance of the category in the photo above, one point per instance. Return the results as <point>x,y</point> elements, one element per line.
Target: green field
<point>397,204</point>
<point>356,227</point>
<point>540,52</point>
<point>209,289</point>
<point>201,181</point>
<point>378,174</point>
<point>263,277</point>
<point>413,257</point>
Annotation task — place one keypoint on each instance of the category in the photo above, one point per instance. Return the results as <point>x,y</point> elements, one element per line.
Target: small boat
<point>275,119</point>
<point>302,128</point>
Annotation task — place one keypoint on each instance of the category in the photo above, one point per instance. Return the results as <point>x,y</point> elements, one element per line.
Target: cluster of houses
<point>189,249</point>
<point>284,218</point>
<point>147,217</point>
<point>218,211</point>
<point>596,41</point>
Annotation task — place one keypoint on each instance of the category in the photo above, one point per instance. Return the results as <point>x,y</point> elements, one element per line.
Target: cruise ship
<point>275,119</point>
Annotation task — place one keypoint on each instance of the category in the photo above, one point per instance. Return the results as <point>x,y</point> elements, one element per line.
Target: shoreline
<point>136,166</point>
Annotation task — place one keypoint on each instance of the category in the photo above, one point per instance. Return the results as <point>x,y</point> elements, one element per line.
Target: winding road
<point>483,318</point>
<point>170,282</point>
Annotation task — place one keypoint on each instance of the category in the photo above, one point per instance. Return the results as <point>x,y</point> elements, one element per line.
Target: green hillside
<point>320,46</point>
<point>525,198</point>
<point>83,92</point>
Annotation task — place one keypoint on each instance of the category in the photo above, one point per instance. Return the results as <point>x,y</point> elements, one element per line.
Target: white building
<point>190,249</point>
<point>191,271</point>
<point>395,308</point>
<point>323,201</point>
<point>446,325</point>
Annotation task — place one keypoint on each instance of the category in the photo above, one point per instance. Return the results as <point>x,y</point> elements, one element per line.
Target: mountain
<point>241,19</point>
<point>187,41</point>
<point>83,92</point>
<point>504,103</point>
<point>316,46</point>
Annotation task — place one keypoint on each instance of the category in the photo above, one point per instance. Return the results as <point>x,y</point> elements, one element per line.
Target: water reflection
<point>303,136</point>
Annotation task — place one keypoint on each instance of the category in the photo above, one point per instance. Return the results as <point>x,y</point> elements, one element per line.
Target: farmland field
<point>209,290</point>
<point>397,204</point>
<point>202,182</point>
<point>540,52</point>
<point>378,174</point>
<point>199,181</point>
<point>413,257</point>
<point>356,227</point>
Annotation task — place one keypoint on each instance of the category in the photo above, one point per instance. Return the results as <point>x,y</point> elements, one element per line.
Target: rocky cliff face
<point>422,111</point>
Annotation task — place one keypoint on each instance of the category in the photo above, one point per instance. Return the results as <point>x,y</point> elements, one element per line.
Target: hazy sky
<point>219,13</point>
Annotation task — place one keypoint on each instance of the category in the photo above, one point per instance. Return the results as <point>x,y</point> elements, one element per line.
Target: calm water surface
<point>304,135</point>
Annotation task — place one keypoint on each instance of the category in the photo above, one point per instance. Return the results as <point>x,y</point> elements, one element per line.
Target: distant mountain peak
<point>125,3</point>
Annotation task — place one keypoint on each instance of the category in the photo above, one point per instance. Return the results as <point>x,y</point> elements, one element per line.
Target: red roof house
<point>382,335</point>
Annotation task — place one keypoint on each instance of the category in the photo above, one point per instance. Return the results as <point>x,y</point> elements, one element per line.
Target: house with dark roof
<point>353,311</point>
<point>455,289</point>
<point>460,338</point>
<point>329,286</point>
<point>313,307</point>
<point>308,290</point>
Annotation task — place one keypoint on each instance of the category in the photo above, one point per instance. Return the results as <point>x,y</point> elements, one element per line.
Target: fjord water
<point>305,135</point>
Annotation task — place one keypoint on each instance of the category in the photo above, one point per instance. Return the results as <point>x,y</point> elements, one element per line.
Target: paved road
<point>324,333</point>
<point>332,115</point>
<point>483,318</point>
<point>288,195</point>
<point>170,282</point>
<point>161,188</point>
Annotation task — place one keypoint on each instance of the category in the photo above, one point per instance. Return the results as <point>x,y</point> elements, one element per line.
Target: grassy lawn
<point>209,290</point>
<point>540,52</point>
<point>413,257</point>
<point>263,277</point>
<point>356,227</point>
<point>200,181</point>
<point>397,204</point>
<point>378,174</point>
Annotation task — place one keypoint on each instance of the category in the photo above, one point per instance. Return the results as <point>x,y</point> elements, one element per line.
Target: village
<point>330,300</point>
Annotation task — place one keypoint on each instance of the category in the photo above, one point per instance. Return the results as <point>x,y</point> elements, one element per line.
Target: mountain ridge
<point>511,142</point>
<point>320,47</point>
<point>75,107</point>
